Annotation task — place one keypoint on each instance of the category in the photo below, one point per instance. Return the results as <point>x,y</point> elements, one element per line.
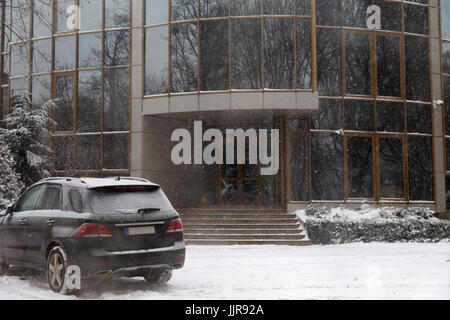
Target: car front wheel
<point>158,277</point>
<point>56,271</point>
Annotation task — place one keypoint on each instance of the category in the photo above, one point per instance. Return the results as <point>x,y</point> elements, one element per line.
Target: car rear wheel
<point>158,277</point>
<point>56,271</point>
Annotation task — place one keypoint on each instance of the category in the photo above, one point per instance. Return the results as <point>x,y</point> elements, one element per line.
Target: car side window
<point>51,198</point>
<point>28,201</point>
<point>76,201</point>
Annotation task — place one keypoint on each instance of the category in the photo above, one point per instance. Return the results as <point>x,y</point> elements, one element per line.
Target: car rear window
<point>130,199</point>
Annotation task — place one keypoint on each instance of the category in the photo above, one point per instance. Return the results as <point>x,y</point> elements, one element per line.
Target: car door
<point>41,222</point>
<point>14,227</point>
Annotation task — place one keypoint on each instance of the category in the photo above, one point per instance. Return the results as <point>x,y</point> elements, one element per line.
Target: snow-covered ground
<point>353,271</point>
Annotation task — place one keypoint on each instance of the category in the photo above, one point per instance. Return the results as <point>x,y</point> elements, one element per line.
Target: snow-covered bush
<point>10,186</point>
<point>27,135</point>
<point>344,225</point>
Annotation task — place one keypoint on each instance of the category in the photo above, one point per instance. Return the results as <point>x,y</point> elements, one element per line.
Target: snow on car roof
<point>92,183</point>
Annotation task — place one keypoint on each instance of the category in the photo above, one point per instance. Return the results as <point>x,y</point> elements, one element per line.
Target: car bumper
<point>99,262</point>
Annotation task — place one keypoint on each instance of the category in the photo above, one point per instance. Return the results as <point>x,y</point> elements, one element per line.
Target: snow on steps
<point>242,225</point>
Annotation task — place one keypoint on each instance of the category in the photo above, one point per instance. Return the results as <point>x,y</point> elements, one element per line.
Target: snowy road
<point>354,271</point>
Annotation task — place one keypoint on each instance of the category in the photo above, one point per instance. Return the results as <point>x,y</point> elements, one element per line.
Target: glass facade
<point>84,66</point>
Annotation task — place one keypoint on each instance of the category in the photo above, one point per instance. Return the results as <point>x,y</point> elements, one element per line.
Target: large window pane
<point>42,18</point>
<point>213,8</point>
<point>355,13</point>
<point>184,57</point>
<point>88,154</point>
<point>42,56</point>
<point>299,166</point>
<point>327,166</point>
<point>304,61</point>
<point>329,61</point>
<point>90,50</point>
<point>19,59</point>
<point>19,87</point>
<point>391,168</point>
<point>388,52</point>
<point>279,7</point>
<point>419,118</point>
<point>65,53</point>
<point>420,164</point>
<point>214,55</point>
<point>115,154</point>
<point>245,8</point>
<point>278,53</point>
<point>184,10</point>
<point>91,14</point>
<point>157,60</point>
<point>64,89</point>
<point>20,19</point>
<point>360,167</point>
<point>156,11</point>
<point>246,54</point>
<point>390,116</point>
<point>41,87</point>
<point>417,68</point>
<point>447,104</point>
<point>391,15</point>
<point>328,12</point>
<point>117,48</point>
<point>357,47</point>
<point>117,100</point>
<point>359,115</point>
<point>445,21</point>
<point>61,14</point>
<point>328,117</point>
<point>303,7</point>
<point>117,13</point>
<point>89,99</point>
<point>416,18</point>
<point>446,57</point>
<point>64,148</point>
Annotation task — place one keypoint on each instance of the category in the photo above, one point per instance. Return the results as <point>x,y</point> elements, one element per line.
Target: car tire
<point>56,271</point>
<point>158,277</point>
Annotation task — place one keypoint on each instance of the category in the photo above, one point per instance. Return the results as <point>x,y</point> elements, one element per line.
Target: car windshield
<point>132,199</point>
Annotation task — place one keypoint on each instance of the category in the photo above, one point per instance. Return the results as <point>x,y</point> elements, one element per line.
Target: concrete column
<point>137,75</point>
<point>438,132</point>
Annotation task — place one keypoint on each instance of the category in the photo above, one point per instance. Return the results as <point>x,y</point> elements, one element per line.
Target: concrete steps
<point>242,225</point>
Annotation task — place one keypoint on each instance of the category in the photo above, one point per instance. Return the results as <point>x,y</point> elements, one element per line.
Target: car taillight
<point>175,226</point>
<point>92,230</point>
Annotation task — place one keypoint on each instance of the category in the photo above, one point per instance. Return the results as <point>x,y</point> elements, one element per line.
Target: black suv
<point>105,227</point>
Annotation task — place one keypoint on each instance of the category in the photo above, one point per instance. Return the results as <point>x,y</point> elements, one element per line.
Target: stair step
<point>242,231</point>
<point>238,215</point>
<point>241,226</point>
<point>249,242</point>
<point>239,221</point>
<point>190,236</point>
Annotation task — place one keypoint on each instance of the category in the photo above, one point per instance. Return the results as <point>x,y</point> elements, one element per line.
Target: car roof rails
<point>132,179</point>
<point>62,178</point>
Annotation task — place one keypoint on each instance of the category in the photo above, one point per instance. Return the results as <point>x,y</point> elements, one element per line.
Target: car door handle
<point>50,222</point>
<point>23,222</point>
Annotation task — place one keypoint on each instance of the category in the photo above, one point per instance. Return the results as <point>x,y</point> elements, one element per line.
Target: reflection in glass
<point>299,166</point>
<point>64,90</point>
<point>117,48</point>
<point>327,166</point>
<point>42,56</point>
<point>156,11</point>
<point>42,18</point>
<point>269,190</point>
<point>360,162</point>
<point>5,69</point>
<point>117,95</point>
<point>417,69</point>
<point>420,165</point>
<point>41,88</point>
<point>64,148</point>
<point>416,18</point>
<point>392,15</point>
<point>447,104</point>
<point>304,62</point>
<point>117,13</point>
<point>419,118</point>
<point>445,23</point>
<point>19,59</point>
<point>115,152</point>
<point>303,7</point>
<point>328,12</point>
<point>5,102</point>
<point>184,58</point>
<point>446,57</point>
<point>91,14</point>
<point>184,10</point>
<point>157,60</point>
<point>229,191</point>
<point>213,8</point>
<point>278,7</point>
<point>328,117</point>
<point>251,191</point>
<point>355,13</point>
<point>89,99</point>
<point>20,14</point>
<point>329,62</point>
<point>61,14</point>
<point>390,116</point>
<point>245,8</point>
<point>88,152</point>
<point>90,50</point>
<point>214,55</point>
<point>357,47</point>
<point>19,87</point>
<point>391,168</point>
<point>359,115</point>
<point>388,52</point>
<point>278,53</point>
<point>65,53</point>
<point>246,54</point>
